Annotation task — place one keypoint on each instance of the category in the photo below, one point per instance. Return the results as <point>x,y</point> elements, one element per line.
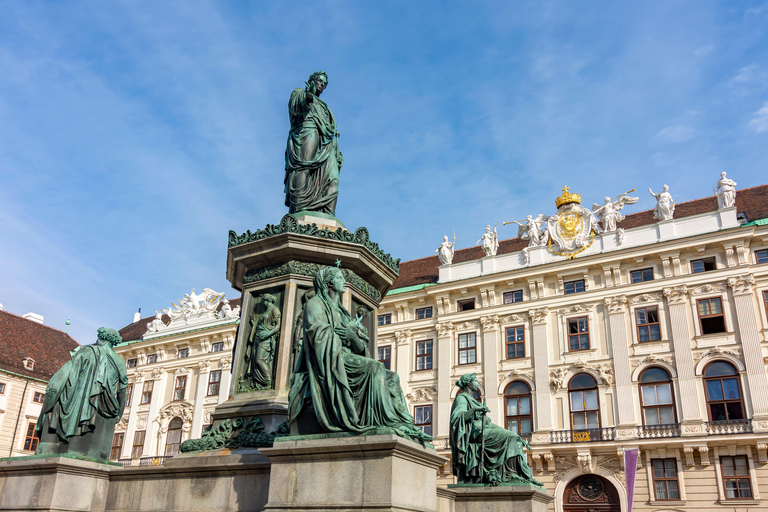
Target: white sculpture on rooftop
<point>445,251</point>
<point>157,324</point>
<point>195,306</point>
<point>226,312</point>
<point>665,205</point>
<point>531,229</point>
<point>490,241</point>
<point>726,192</point>
<point>608,214</point>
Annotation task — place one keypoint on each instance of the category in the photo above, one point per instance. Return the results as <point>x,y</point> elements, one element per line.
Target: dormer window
<point>29,363</point>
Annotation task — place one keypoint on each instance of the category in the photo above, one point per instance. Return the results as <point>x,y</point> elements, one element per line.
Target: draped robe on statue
<point>312,156</point>
<point>500,451</point>
<point>349,392</point>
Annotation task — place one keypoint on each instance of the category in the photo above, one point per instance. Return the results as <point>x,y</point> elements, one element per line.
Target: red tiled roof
<point>136,330</point>
<point>751,201</point>
<point>21,338</point>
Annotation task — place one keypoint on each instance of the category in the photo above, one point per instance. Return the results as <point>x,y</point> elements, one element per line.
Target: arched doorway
<point>591,493</point>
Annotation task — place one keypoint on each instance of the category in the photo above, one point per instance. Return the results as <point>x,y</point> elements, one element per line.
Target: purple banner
<point>630,468</point>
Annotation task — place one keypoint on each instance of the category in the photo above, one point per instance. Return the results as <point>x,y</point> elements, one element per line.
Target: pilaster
<point>617,326</point>
<point>540,351</point>
<point>402,354</point>
<point>160,377</point>
<point>204,368</point>
<point>444,347</point>
<point>132,419</point>
<point>490,326</point>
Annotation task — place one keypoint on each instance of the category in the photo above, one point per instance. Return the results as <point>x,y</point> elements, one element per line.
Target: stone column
<point>226,377</point>
<point>686,376</point>
<point>202,387</point>
<point>129,432</point>
<point>616,308</point>
<point>158,396</point>
<point>490,364</point>
<point>749,332</point>
<point>402,354</point>
<point>444,347</point>
<point>540,351</point>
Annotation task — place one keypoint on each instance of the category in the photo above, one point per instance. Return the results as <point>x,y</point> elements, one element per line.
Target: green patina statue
<point>481,452</point>
<point>84,400</point>
<point>336,385</point>
<point>312,156</point>
<point>260,350</point>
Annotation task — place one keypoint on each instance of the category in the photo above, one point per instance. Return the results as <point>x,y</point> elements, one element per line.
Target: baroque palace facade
<point>649,332</point>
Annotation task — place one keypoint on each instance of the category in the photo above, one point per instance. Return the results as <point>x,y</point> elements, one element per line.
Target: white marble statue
<point>531,229</point>
<point>490,241</point>
<point>157,324</point>
<point>665,205</point>
<point>226,312</point>
<point>445,251</point>
<point>608,214</point>
<point>726,192</point>
<point>195,306</point>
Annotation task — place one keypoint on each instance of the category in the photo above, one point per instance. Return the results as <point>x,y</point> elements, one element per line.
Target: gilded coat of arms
<point>571,228</point>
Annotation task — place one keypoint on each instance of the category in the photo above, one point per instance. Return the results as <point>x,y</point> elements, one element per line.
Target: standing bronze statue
<point>312,157</point>
<point>84,400</point>
<point>481,452</point>
<point>260,351</point>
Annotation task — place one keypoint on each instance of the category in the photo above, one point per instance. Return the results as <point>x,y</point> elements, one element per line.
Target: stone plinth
<point>54,484</point>
<point>503,498</point>
<point>379,472</point>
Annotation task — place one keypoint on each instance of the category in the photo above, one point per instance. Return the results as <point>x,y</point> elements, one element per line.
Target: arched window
<point>173,440</point>
<point>656,397</point>
<point>517,408</point>
<point>724,402</point>
<point>585,412</point>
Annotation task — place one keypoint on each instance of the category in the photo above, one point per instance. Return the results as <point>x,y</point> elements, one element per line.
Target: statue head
<point>320,79</point>
<point>269,299</point>
<point>488,228</point>
<point>467,380</point>
<point>607,200</point>
<point>329,277</point>
<point>445,238</point>
<point>529,218</point>
<point>106,335</point>
<point>722,174</point>
<point>666,188</point>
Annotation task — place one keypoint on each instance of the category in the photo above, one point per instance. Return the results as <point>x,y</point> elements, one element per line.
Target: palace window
<point>117,446</point>
<point>466,305</point>
<point>638,276</point>
<point>146,392</point>
<point>128,394</point>
<point>183,352</point>
<point>703,265</point>
<point>2,388</point>
<point>151,358</point>
<point>736,477</point>
<point>217,347</point>
<point>578,333</point>
<point>761,256</point>
<point>585,411</point>
<point>138,444</point>
<point>38,397</point>
<point>385,319</point>
<point>721,381</point>
<point>574,286</point>
<point>424,355</point>
<point>711,316</point>
<point>648,324</point>
<point>515,342</point>
<point>384,356</point>
<point>517,408</point>
<point>173,438</point>
<point>512,297</point>
<point>180,389</point>
<point>422,313</point>
<point>423,418</point>
<point>665,483</point>
<point>656,397</point>
<point>31,440</point>
<point>214,381</point>
<point>467,353</point>
<point>131,363</point>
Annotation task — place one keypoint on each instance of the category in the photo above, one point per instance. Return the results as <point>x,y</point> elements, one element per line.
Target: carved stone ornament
<point>466,325</point>
<point>717,351</point>
<point>207,418</point>
<point>441,443</point>
<point>444,329</point>
<point>122,424</point>
<point>612,465</point>
<point>167,413</point>
<point>616,304</point>
<point>516,374</point>
<point>651,359</point>
<point>204,366</point>
<point>538,316</point>
<point>157,372</point>
<point>742,285</point>
<point>676,295</point>
<point>226,362</point>
<point>181,371</point>
<point>707,289</point>
<point>194,307</point>
<point>576,308</point>
<point>644,298</point>
<point>137,376</point>
<point>141,422</point>
<point>403,337</point>
<point>421,395</point>
<point>489,323</point>
<point>557,378</point>
<point>563,466</point>
<point>603,370</point>
<point>514,318</point>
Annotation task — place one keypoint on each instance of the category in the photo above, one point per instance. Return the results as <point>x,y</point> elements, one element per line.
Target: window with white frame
<point>467,348</point>
<point>422,313</point>
<point>217,347</point>
<point>665,483</point>
<point>151,358</point>
<point>513,296</point>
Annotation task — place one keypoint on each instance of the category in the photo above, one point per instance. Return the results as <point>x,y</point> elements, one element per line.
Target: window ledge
<point>650,347</point>
<point>662,503</point>
<point>735,501</point>
<point>711,340</point>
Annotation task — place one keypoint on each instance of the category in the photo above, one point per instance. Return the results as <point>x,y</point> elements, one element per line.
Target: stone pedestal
<point>503,498</point>
<point>363,473</point>
<point>54,484</point>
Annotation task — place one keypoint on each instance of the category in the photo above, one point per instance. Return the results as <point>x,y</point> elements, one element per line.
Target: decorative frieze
<point>652,359</point>
<point>563,466</point>
<point>422,395</point>
<point>708,289</point>
<point>717,351</point>
<point>403,337</point>
<point>676,295</point>
<point>489,323</point>
<point>557,378</point>
<point>603,370</point>
<point>157,373</point>
<point>445,329</point>
<point>612,465</point>
<point>516,374</point>
<point>538,316</point>
<point>203,366</point>
<point>742,285</point>
<point>514,318</point>
<point>645,298</point>
<point>616,304</point>
<point>576,308</point>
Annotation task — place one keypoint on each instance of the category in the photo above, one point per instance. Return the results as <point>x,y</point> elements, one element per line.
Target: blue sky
<point>135,135</point>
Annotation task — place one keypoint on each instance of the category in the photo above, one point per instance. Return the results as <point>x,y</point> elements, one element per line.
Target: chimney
<point>34,317</point>
<point>137,316</point>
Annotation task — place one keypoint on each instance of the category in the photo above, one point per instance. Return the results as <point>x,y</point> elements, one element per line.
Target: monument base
<point>271,406</point>
<point>502,498</point>
<point>363,473</point>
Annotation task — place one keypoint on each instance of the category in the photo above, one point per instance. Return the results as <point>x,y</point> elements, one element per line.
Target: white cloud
<point>676,134</point>
<point>759,121</point>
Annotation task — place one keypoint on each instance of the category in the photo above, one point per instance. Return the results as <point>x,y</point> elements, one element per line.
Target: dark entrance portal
<point>591,493</point>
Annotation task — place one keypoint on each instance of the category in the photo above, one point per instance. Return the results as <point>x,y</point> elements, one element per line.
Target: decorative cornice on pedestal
<point>403,337</point>
<point>742,285</point>
<point>676,295</point>
<point>489,323</point>
<point>538,316</point>
<point>646,297</point>
<point>616,304</point>
<point>444,329</point>
<point>421,395</point>
<point>706,289</point>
